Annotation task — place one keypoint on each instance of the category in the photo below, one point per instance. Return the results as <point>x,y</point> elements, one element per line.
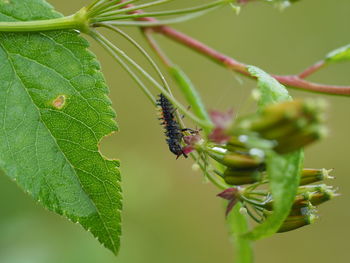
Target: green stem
<point>109,6</point>
<point>112,15</point>
<point>77,21</point>
<point>215,180</point>
<point>186,87</point>
<point>143,52</point>
<point>134,8</point>
<point>238,225</point>
<point>138,81</point>
<point>149,59</point>
<point>95,4</point>
<point>161,89</point>
<point>159,22</point>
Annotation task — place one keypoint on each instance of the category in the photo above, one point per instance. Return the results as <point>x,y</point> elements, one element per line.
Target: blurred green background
<point>170,214</point>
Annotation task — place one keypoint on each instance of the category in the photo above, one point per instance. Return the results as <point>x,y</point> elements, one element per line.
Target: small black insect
<point>173,131</point>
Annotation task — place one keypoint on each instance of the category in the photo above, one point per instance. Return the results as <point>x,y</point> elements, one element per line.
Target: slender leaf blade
<point>339,55</point>
<point>54,111</point>
<point>283,170</point>
<point>191,94</point>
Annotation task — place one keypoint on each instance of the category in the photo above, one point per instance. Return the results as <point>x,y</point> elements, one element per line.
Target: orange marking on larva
<point>59,102</point>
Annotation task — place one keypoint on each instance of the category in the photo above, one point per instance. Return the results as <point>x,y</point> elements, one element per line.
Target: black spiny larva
<point>172,128</point>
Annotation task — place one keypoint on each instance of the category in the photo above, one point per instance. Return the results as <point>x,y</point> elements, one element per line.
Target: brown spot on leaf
<point>59,102</point>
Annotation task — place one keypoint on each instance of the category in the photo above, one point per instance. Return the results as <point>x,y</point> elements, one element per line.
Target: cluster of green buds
<point>240,149</point>
<point>258,202</point>
<point>304,210</point>
<point>287,126</point>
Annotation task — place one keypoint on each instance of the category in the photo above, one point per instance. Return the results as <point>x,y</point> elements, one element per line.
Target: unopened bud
<point>300,201</point>
<point>292,125</point>
<point>313,188</point>
<point>275,115</point>
<point>235,160</point>
<point>300,139</point>
<point>319,197</point>
<point>294,222</point>
<point>235,144</point>
<point>241,177</point>
<point>310,176</point>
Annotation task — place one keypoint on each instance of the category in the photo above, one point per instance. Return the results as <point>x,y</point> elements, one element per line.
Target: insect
<point>173,131</point>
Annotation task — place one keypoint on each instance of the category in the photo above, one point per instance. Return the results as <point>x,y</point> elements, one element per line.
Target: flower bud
<point>300,139</point>
<point>235,160</point>
<point>272,117</point>
<point>292,125</point>
<point>241,176</point>
<point>234,144</point>
<point>300,201</point>
<point>303,189</point>
<point>310,176</point>
<point>319,197</point>
<point>294,222</point>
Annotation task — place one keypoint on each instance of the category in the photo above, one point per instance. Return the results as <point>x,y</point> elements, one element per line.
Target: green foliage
<point>339,55</point>
<point>283,170</point>
<point>54,110</point>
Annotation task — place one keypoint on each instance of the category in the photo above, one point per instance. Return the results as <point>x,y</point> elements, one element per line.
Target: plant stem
<point>292,81</point>
<point>118,52</point>
<point>109,6</point>
<point>157,23</point>
<point>133,8</point>
<point>112,15</point>
<point>186,87</point>
<point>238,225</point>
<point>310,70</point>
<point>80,21</point>
<point>143,52</point>
<point>77,21</point>
<point>156,48</point>
<point>125,66</point>
<point>215,180</point>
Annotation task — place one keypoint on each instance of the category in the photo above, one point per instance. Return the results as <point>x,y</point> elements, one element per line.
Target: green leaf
<point>339,55</point>
<point>283,170</point>
<point>192,96</point>
<point>54,110</point>
<point>270,90</point>
<point>238,225</point>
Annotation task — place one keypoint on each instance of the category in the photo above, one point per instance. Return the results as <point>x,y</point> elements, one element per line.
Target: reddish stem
<point>202,49</point>
<point>293,81</point>
<point>310,70</point>
<point>148,35</point>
